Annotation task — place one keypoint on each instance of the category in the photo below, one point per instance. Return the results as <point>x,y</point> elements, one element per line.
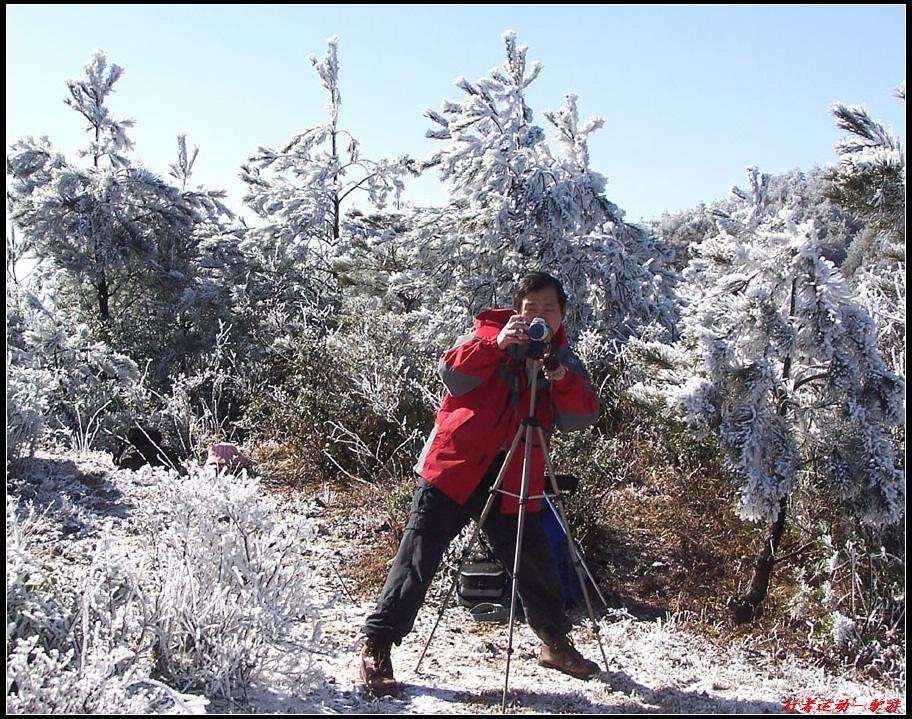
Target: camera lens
<point>539,330</point>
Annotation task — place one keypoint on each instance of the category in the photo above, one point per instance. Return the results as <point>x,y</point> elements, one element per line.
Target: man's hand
<point>515,332</point>
<point>555,375</point>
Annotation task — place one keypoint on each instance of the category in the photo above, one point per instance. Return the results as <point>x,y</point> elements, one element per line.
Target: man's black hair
<point>535,281</point>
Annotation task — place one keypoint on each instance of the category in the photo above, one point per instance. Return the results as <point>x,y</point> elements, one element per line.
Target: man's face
<point>543,303</point>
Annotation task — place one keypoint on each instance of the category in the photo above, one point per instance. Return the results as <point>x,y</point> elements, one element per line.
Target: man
<point>488,395</point>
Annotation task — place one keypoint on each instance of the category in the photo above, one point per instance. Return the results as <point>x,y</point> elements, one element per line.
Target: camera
<point>539,330</point>
<point>540,334</point>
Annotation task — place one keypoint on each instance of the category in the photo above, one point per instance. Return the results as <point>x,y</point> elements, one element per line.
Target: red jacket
<point>486,399</point>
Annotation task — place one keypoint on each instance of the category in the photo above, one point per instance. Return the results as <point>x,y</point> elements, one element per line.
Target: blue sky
<point>690,95</point>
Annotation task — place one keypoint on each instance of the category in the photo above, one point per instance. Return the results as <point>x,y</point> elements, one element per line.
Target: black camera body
<point>540,346</point>
<point>540,336</point>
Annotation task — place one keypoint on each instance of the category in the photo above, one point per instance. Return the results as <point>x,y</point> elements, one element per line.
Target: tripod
<point>529,424</point>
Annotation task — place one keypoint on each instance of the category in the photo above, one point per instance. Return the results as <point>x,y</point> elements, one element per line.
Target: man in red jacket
<point>488,395</point>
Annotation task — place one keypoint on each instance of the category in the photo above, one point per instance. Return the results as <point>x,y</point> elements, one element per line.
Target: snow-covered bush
<point>27,388</point>
<point>52,682</point>
<point>866,600</point>
<point>378,354</point>
<point>233,603</point>
<point>208,590</point>
<point>77,639</point>
<point>205,402</point>
<point>355,397</point>
<point>299,391</point>
<point>801,601</point>
<point>847,600</point>
<point>37,599</point>
<point>392,375</point>
<point>64,382</point>
<point>844,634</point>
<point>805,194</point>
<point>27,405</point>
<point>882,292</point>
<point>680,230</point>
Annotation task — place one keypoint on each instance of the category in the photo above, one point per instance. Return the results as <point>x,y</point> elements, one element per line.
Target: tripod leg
<point>524,496</point>
<point>471,545</point>
<point>571,545</point>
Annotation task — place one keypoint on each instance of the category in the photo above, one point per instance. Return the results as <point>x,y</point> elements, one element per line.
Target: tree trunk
<point>104,297</point>
<point>336,200</point>
<point>104,294</point>
<point>749,606</point>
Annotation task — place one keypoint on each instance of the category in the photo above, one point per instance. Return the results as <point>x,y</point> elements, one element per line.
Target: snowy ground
<point>653,667</point>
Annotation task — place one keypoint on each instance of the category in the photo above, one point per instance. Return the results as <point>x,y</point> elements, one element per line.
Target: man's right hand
<point>515,332</point>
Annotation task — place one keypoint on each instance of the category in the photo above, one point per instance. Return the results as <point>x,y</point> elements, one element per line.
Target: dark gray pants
<point>434,521</point>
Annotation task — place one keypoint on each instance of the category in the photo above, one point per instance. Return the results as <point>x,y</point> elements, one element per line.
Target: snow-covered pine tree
<point>516,207</point>
<point>803,192</point>
<point>780,363</point>
<point>217,269</point>
<point>70,212</point>
<point>116,242</point>
<point>870,180</point>
<point>299,192</point>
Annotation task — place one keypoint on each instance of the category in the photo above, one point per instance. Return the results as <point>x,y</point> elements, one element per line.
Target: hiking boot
<point>560,654</point>
<point>377,669</point>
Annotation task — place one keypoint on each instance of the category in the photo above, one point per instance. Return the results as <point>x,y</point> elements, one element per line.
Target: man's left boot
<point>559,653</point>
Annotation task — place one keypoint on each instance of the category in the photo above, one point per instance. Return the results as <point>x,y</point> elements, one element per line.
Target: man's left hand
<point>555,375</point>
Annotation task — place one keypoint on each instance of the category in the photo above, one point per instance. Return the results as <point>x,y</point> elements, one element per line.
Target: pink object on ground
<point>226,455</point>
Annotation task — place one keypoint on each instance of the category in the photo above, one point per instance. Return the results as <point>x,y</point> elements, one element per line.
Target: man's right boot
<point>377,669</point>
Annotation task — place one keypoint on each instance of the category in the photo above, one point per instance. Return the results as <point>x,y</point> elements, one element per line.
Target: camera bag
<point>482,581</point>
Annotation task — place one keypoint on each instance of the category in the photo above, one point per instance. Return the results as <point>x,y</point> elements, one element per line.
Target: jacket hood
<point>489,323</point>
